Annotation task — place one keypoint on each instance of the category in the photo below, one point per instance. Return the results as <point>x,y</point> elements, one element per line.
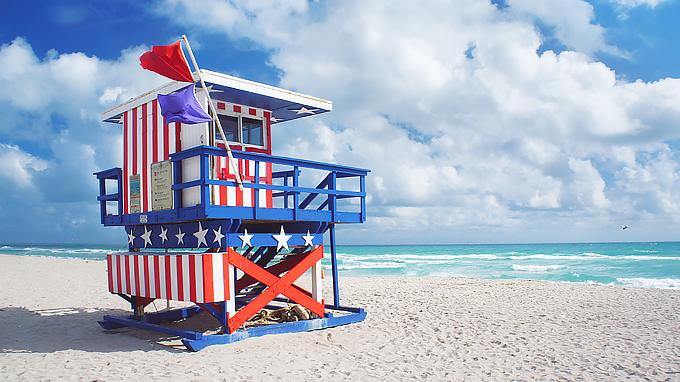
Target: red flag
<point>168,61</point>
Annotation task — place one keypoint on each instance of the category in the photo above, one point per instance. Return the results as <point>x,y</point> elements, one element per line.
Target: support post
<point>332,198</point>
<point>334,268</point>
<point>296,195</point>
<point>102,202</point>
<point>256,202</point>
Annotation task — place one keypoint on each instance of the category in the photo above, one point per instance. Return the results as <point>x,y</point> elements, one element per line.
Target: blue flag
<point>182,106</point>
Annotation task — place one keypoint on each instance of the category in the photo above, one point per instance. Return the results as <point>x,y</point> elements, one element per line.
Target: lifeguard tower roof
<point>285,105</point>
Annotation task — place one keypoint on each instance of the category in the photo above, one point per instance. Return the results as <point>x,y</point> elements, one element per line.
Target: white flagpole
<point>234,167</point>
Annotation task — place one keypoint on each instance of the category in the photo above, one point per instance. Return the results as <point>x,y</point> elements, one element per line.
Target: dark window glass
<point>230,127</point>
<point>252,131</point>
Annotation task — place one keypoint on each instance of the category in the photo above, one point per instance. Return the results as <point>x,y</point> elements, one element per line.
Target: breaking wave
<point>641,282</point>
<point>536,268</point>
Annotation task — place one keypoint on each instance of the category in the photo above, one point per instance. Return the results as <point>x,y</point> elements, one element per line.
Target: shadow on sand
<point>52,330</point>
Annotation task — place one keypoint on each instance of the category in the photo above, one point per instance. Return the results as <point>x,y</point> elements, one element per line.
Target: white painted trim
<point>317,282</point>
<point>223,80</point>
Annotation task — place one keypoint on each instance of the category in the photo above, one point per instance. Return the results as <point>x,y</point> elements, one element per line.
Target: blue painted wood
<point>216,151</point>
<point>256,202</point>
<point>296,195</point>
<point>288,327</point>
<point>112,321</point>
<point>229,228</point>
<point>206,210</point>
<point>334,268</point>
<point>171,315</point>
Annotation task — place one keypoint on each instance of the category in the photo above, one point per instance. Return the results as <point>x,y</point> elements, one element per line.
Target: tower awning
<point>285,105</point>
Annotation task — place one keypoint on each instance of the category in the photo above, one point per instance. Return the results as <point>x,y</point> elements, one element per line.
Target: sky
<point>499,121</point>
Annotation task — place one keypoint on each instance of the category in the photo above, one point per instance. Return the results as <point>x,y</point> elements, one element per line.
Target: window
<point>252,131</point>
<point>238,129</point>
<point>230,126</point>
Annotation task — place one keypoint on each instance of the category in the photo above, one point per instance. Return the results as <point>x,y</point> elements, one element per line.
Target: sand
<point>417,329</point>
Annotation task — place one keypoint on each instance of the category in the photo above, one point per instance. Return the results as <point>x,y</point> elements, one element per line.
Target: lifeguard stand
<point>194,235</point>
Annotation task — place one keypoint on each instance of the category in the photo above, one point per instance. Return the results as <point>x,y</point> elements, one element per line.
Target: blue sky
<point>598,171</point>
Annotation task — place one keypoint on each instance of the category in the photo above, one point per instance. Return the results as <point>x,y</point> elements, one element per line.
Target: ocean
<point>652,264</point>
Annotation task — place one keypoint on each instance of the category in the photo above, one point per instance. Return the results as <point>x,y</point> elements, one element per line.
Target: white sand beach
<point>417,329</point>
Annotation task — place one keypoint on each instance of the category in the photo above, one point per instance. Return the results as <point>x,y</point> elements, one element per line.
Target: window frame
<point>240,117</point>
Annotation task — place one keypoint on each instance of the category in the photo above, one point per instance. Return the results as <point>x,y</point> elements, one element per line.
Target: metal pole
<point>334,269</point>
<point>234,167</point>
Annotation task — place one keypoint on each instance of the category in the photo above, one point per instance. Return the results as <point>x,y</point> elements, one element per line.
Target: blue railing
<point>111,174</point>
<point>292,210</point>
<point>296,200</point>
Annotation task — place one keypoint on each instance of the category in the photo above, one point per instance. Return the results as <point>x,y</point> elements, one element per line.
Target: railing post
<point>256,202</point>
<point>332,197</point>
<point>296,195</point>
<point>205,188</point>
<point>102,203</point>
<point>362,188</point>
<point>177,179</point>
<point>285,193</point>
<point>119,177</point>
<point>334,268</point>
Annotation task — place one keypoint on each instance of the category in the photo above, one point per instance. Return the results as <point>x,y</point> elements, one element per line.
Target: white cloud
<point>52,105</point>
<point>471,135</point>
<point>572,21</point>
<point>18,167</point>
<point>637,3</point>
<point>506,144</point>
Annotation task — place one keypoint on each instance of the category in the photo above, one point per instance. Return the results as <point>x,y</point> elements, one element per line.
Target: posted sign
<point>135,195</point>
<point>161,185</point>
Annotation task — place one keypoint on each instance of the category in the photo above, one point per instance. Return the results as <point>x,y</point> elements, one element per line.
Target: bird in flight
<point>624,227</point>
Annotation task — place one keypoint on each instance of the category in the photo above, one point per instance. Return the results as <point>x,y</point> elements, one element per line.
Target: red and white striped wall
<point>147,139</point>
<point>180,277</point>
<point>232,196</point>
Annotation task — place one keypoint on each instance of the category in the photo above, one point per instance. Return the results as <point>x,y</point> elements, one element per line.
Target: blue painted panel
<point>211,234</point>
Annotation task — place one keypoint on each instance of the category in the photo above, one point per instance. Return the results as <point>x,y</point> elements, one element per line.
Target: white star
<point>282,239</point>
<point>147,237</point>
<point>131,237</point>
<point>164,234</point>
<point>245,239</point>
<point>200,235</point>
<point>304,110</point>
<point>211,90</point>
<point>218,235</point>
<point>274,119</point>
<point>180,236</point>
<point>308,239</point>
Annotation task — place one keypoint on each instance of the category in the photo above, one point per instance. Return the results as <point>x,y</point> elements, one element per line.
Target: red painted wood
<point>109,263</point>
<point>180,279</point>
<point>136,270</point>
<point>145,183</point>
<point>208,293</point>
<point>127,274</point>
<point>125,163</point>
<point>146,277</point>
<point>154,131</point>
<point>168,279</point>
<point>276,269</point>
<point>192,277</point>
<point>118,278</point>
<point>282,285</point>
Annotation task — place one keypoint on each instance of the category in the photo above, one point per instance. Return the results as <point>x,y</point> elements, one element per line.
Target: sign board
<point>135,195</point>
<point>161,185</point>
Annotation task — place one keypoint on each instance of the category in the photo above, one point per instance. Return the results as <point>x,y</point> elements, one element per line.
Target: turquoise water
<point>633,264</point>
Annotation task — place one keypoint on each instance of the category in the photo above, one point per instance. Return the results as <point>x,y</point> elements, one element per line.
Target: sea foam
<point>536,268</point>
<point>641,282</point>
